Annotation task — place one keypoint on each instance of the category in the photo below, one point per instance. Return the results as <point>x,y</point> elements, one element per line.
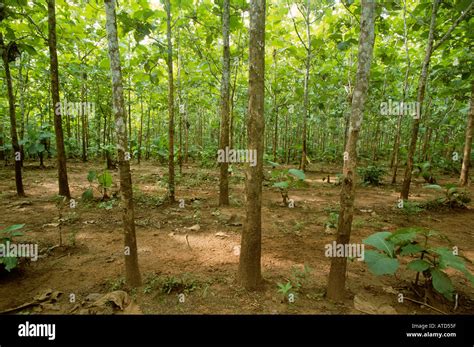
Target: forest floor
<point>179,257</point>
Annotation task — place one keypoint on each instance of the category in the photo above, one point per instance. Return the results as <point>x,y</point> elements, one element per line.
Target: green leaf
<point>411,249</point>
<point>404,235</point>
<point>448,259</point>
<point>88,195</point>
<point>380,264</point>
<point>442,283</point>
<point>10,263</point>
<point>273,164</point>
<point>91,176</point>
<point>105,179</point>
<point>13,227</point>
<point>418,265</point>
<point>378,240</point>
<point>297,173</point>
<point>281,185</point>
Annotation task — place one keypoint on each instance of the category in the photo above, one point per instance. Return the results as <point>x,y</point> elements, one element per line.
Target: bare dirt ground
<point>176,258</point>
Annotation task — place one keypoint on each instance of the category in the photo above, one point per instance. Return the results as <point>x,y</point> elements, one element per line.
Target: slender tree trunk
<point>337,274</point>
<point>463,180</point>
<point>275,108</point>
<point>132,271</point>
<point>225,88</point>
<point>22,105</point>
<point>83,115</point>
<point>171,196</point>
<point>11,103</point>
<point>306,89</point>
<point>58,127</point>
<point>141,131</point>
<point>181,110</point>
<point>396,145</point>
<point>420,98</point>
<point>249,266</point>
<point>148,131</point>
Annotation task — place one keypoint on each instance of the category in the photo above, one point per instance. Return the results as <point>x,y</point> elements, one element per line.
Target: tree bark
<point>224,106</point>
<point>420,98</point>
<point>11,104</point>
<point>132,271</point>
<point>58,127</point>
<point>463,180</point>
<point>171,196</point>
<point>337,274</point>
<point>249,266</point>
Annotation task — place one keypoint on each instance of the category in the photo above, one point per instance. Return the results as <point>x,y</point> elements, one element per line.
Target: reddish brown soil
<point>92,261</point>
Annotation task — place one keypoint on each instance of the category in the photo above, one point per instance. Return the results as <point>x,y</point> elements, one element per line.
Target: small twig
<point>187,241</point>
<point>424,304</point>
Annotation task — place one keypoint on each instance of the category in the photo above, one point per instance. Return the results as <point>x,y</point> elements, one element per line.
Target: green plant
<point>332,221</point>
<point>371,174</point>
<point>108,205</point>
<point>424,169</point>
<point>454,197</point>
<point>116,284</point>
<point>178,285</point>
<point>286,180</point>
<point>6,237</point>
<point>300,276</point>
<point>284,289</point>
<point>411,207</point>
<point>105,182</point>
<point>431,262</point>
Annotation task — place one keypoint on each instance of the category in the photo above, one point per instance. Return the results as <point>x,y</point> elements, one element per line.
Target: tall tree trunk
<point>396,145</point>
<point>306,89</point>
<point>337,274</point>
<point>225,88</point>
<point>420,98</point>
<point>58,127</point>
<point>132,271</point>
<point>249,266</point>
<point>83,114</point>
<point>169,61</point>
<point>11,103</point>
<point>181,109</point>
<point>275,108</point>
<point>141,131</point>
<point>148,131</point>
<point>463,180</point>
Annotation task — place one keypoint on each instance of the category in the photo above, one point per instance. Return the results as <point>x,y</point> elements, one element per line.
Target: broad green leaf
<point>411,249</point>
<point>418,265</point>
<point>442,283</point>
<point>10,263</point>
<point>273,163</point>
<point>380,264</point>
<point>378,240</point>
<point>105,179</point>
<point>404,235</point>
<point>91,176</point>
<point>281,185</point>
<point>297,173</point>
<point>88,195</point>
<point>13,227</point>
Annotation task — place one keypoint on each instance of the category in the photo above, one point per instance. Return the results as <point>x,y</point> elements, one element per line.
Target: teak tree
<point>58,126</point>
<point>169,61</point>
<point>464,179</point>
<point>224,105</point>
<point>132,271</point>
<point>6,49</point>
<point>337,274</point>
<point>251,245</point>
